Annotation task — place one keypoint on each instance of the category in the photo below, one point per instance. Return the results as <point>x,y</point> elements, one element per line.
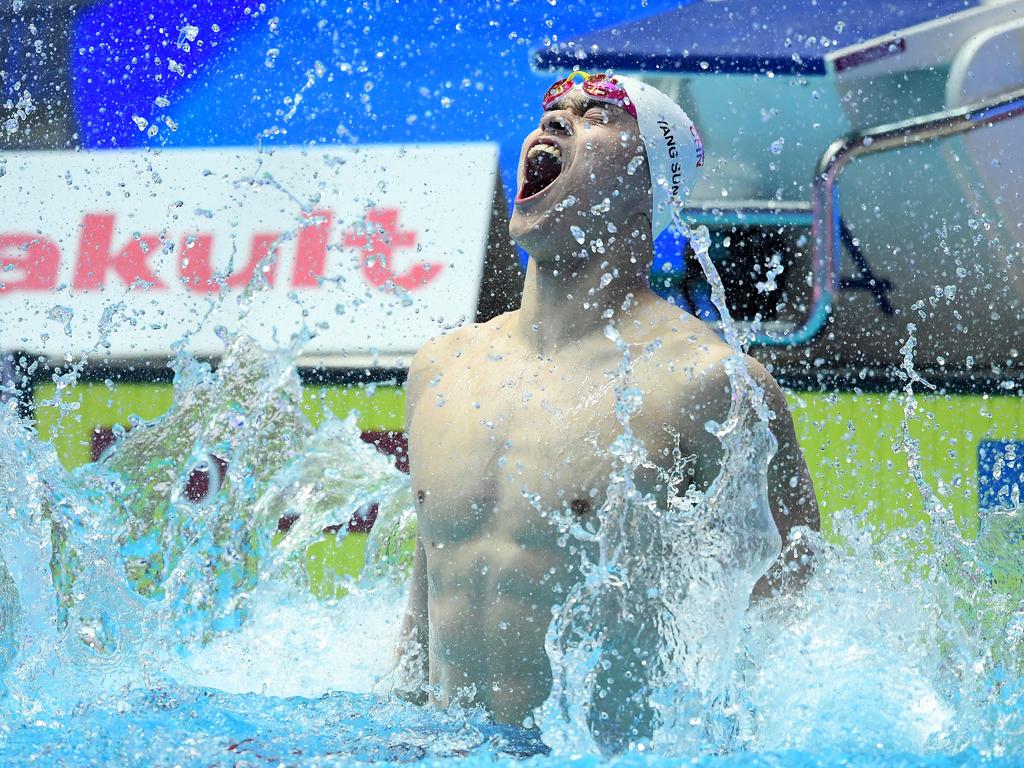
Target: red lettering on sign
<point>311,249</point>
<point>264,244</point>
<point>95,257</point>
<point>378,242</point>
<point>195,263</point>
<point>35,258</point>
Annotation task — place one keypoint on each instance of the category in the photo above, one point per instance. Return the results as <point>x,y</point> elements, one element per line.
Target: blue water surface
<point>190,726</point>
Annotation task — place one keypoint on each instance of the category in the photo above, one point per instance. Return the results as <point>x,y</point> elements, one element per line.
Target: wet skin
<point>510,421</point>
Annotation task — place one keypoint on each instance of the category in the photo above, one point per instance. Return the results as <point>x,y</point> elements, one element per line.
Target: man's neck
<point>568,300</point>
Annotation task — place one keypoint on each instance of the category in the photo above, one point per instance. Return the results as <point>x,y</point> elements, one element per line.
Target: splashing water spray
<point>867,654</point>
<point>111,579</point>
<point>662,604</point>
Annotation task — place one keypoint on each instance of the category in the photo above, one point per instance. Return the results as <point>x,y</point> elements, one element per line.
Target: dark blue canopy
<point>782,36</point>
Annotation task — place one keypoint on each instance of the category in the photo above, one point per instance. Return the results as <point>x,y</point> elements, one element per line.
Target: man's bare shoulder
<point>695,370</point>
<point>689,350</point>
<point>705,376</point>
<point>448,348</point>
<point>459,348</point>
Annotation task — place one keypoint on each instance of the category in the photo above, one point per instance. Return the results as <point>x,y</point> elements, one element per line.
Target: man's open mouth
<point>543,164</point>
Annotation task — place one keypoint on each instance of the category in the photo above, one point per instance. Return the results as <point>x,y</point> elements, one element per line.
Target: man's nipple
<point>580,507</point>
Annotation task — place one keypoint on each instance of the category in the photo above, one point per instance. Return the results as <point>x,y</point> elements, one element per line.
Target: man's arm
<point>790,490</point>
<point>412,658</point>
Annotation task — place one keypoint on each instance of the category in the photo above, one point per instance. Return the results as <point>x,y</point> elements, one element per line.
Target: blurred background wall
<point>227,72</point>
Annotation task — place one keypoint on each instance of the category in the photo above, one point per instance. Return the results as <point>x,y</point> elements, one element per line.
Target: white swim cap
<point>675,152</point>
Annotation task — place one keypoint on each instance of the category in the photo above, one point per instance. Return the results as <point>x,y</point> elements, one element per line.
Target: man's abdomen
<point>489,611</point>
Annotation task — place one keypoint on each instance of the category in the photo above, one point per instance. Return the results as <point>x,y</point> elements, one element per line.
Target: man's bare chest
<point>501,451</point>
<point>507,441</point>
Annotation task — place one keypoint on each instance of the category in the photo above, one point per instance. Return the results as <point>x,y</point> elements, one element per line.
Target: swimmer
<point>524,404</point>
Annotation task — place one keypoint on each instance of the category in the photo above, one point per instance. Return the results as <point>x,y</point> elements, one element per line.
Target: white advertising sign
<point>375,249</point>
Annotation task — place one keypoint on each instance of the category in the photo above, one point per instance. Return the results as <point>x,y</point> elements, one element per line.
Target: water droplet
<point>578,234</point>
<point>777,145</point>
<point>62,314</point>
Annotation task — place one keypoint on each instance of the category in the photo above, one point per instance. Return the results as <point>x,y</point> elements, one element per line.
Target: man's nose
<point>555,122</point>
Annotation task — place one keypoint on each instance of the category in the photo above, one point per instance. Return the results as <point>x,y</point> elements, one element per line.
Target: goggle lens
<point>599,87</point>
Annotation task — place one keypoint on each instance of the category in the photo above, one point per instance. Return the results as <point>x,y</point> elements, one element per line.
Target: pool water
<point>194,726</point>
<point>139,627</point>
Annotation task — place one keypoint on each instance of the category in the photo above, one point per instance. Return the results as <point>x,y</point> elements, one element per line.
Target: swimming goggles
<point>597,87</point>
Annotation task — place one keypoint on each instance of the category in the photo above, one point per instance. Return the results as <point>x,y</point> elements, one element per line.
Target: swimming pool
<point>142,627</point>
<point>195,585</point>
<point>877,670</point>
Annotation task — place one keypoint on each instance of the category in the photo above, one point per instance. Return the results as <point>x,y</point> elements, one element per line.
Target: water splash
<point>112,579</point>
<point>901,641</point>
<point>663,600</point>
<point>906,641</point>
<point>113,575</point>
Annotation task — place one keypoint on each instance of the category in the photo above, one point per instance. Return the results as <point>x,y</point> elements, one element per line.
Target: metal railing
<point>826,241</point>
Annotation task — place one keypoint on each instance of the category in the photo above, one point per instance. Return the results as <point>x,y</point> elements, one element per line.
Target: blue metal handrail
<point>825,219</point>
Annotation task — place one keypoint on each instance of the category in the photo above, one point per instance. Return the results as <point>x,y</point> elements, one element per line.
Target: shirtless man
<point>516,415</point>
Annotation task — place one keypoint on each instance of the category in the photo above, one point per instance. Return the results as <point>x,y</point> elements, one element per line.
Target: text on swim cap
<point>673,152</point>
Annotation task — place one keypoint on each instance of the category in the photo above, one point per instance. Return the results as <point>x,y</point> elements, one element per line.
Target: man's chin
<point>522,228</point>
<point>535,226</point>
<point>532,237</point>
<point>542,250</point>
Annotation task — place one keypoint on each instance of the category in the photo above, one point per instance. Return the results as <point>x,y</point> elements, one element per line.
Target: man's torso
<point>500,439</point>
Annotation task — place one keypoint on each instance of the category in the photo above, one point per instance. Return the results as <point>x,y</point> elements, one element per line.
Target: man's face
<point>574,179</point>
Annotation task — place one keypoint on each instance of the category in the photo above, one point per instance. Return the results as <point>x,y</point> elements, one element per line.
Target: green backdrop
<point>848,439</point>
